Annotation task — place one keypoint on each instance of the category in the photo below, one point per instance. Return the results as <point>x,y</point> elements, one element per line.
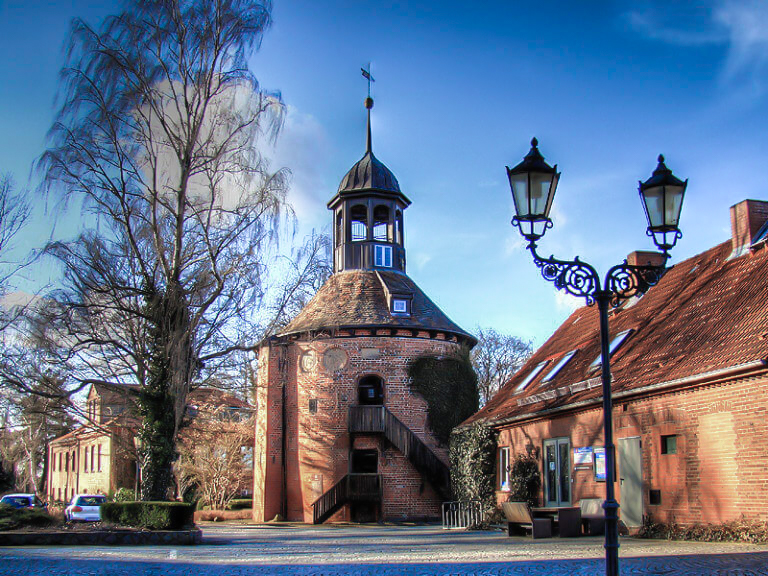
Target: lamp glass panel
<point>672,201</point>
<point>519,184</point>
<point>654,205</point>
<point>540,185</point>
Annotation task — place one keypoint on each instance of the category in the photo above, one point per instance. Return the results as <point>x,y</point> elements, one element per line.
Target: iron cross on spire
<point>367,75</point>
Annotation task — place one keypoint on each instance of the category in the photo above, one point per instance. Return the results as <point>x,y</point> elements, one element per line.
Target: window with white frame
<point>504,470</point>
<point>617,341</point>
<point>383,256</point>
<point>399,306</point>
<point>559,366</point>
<point>528,379</point>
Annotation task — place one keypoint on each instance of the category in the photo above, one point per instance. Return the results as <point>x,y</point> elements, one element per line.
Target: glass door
<point>557,472</point>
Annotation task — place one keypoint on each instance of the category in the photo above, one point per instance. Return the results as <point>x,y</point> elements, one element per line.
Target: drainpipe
<point>283,365</point>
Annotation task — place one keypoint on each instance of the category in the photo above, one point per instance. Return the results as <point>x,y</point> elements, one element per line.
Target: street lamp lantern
<point>662,196</point>
<point>533,184</point>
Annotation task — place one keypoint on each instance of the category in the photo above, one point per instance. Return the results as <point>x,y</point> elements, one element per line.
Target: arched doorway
<point>370,391</point>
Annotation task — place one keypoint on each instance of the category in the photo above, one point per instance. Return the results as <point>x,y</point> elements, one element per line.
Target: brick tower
<point>339,433</point>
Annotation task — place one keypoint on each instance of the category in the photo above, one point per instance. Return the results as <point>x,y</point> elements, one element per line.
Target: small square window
<point>400,306</point>
<point>654,498</point>
<point>669,444</point>
<point>313,405</point>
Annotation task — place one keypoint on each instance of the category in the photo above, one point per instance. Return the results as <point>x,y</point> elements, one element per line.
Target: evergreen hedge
<point>11,517</point>
<point>150,515</point>
<point>240,504</point>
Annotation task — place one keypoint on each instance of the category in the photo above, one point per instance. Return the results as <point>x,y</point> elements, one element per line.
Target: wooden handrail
<point>380,420</point>
<point>351,488</point>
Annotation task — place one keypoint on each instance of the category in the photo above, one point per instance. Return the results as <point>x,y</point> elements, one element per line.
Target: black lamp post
<point>533,184</point>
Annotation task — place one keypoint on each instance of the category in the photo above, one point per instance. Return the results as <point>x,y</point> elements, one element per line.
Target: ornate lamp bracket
<point>580,279</point>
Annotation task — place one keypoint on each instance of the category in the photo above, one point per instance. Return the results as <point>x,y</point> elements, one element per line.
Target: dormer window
<point>559,366</point>
<point>528,379</point>
<point>383,256</point>
<point>400,306</point>
<point>617,341</point>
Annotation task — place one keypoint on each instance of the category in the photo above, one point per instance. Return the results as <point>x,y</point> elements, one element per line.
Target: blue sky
<point>460,90</point>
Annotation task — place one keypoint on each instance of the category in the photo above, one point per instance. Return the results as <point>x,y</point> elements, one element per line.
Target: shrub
<point>525,479</point>
<point>124,495</point>
<point>240,504</point>
<point>472,454</point>
<point>741,530</point>
<point>150,515</point>
<point>11,518</point>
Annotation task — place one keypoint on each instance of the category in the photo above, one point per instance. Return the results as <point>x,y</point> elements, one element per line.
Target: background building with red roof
<point>690,389</point>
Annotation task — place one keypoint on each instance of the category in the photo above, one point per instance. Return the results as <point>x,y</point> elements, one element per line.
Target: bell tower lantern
<point>368,215</point>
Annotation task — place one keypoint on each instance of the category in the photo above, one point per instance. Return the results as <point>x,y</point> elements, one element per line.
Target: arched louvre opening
<point>381,225</point>
<point>359,223</point>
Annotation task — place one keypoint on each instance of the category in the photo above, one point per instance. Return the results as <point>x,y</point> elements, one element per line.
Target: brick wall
<point>719,470</point>
<point>317,444</point>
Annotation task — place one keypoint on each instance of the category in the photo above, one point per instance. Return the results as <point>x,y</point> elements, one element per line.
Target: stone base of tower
<point>303,443</point>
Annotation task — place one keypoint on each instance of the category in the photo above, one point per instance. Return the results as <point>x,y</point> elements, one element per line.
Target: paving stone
<point>383,551</point>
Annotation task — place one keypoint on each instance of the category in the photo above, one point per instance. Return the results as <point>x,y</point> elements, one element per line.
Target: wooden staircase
<point>379,420</point>
<point>368,487</point>
<point>351,488</point>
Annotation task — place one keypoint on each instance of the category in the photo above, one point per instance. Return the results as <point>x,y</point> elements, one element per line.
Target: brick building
<point>339,434</point>
<point>690,388</point>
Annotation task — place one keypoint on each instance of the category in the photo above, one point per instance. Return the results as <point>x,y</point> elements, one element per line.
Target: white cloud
<point>565,302</point>
<point>746,24</point>
<point>419,260</point>
<point>739,25</point>
<point>303,148</point>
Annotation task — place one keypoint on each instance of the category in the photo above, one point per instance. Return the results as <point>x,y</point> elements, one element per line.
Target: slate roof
<point>358,298</point>
<point>707,314</point>
<point>369,174</point>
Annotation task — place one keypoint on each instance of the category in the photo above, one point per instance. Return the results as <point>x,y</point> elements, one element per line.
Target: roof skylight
<point>617,341</point>
<point>559,366</point>
<point>528,379</point>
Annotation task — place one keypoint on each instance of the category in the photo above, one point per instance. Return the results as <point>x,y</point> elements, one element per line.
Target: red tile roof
<point>707,314</point>
<point>358,298</point>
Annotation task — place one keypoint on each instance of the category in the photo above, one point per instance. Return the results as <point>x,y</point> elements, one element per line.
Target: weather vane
<point>367,75</point>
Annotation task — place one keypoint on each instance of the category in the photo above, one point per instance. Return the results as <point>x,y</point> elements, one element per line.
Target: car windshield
<point>91,500</point>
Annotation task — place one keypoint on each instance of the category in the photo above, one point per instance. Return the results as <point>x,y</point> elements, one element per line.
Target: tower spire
<point>368,105</point>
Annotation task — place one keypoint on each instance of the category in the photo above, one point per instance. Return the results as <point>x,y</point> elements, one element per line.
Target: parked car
<point>23,501</point>
<point>85,508</point>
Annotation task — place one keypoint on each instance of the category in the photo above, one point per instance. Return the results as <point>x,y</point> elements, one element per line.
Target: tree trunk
<point>163,397</point>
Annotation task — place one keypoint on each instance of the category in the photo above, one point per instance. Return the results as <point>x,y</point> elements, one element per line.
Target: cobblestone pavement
<point>383,551</point>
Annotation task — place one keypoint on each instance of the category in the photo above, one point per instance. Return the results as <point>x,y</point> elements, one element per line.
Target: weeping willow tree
<point>158,138</point>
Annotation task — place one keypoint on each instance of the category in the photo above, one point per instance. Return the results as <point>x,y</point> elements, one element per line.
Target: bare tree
<point>29,422</point>
<point>14,214</point>
<point>158,133</point>
<point>495,359</point>
<point>216,453</point>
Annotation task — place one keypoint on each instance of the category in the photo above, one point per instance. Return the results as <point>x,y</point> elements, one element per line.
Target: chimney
<point>747,217</point>
<point>643,258</point>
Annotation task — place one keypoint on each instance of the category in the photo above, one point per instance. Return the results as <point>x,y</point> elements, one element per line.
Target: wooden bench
<point>519,517</point>
<point>592,516</point>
